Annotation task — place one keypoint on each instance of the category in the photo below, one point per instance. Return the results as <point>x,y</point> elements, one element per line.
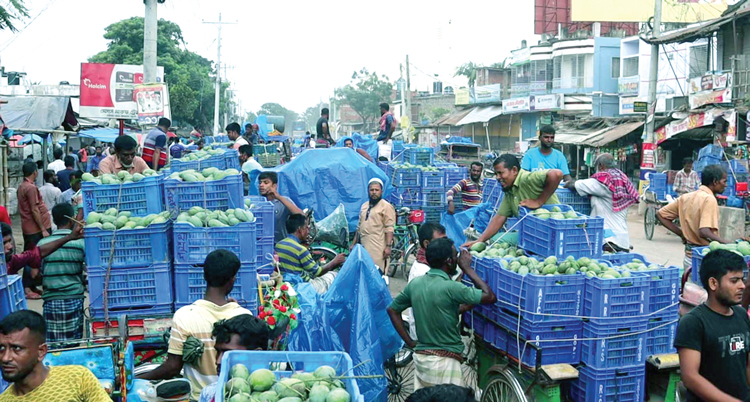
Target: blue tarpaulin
<point>462,140</point>
<point>322,179</point>
<point>362,141</point>
<point>351,316</point>
<point>102,134</point>
<point>28,138</point>
<point>262,122</point>
<point>456,224</point>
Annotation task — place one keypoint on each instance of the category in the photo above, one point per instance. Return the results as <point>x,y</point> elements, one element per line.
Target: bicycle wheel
<point>408,259</point>
<point>322,253</point>
<point>504,388</point>
<point>649,221</point>
<point>470,366</point>
<point>399,372</point>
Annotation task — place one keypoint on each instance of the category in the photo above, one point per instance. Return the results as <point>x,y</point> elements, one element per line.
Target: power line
<point>11,40</point>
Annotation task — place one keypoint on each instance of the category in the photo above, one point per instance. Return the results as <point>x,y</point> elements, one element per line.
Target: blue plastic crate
<point>566,333</point>
<point>12,297</point>
<point>662,329</point>
<point>299,361</point>
<point>614,342</point>
<point>622,384</point>
<point>264,255</point>
<point>431,180</point>
<point>496,336</point>
<point>580,204</point>
<point>265,220</point>
<point>208,140</point>
<point>620,297</point>
<point>419,156</point>
<point>581,237</point>
<point>192,244</point>
<point>664,283</point>
<point>403,177</point>
<point>712,151</point>
<point>405,197</point>
<point>540,294</point>
<point>492,193</point>
<point>141,198</point>
<point>475,321</point>
<point>230,159</point>
<point>223,194</point>
<point>190,285</point>
<point>623,258</point>
<point>734,165</point>
<point>696,261</point>
<point>177,165</point>
<point>137,291</point>
<point>264,149</point>
<point>132,248</point>
<point>433,198</point>
<point>433,214</point>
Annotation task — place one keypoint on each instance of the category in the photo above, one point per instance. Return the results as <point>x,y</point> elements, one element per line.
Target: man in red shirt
<point>34,256</point>
<point>35,220</point>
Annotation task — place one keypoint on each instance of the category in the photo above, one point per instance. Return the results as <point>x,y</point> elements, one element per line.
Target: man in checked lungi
<point>62,280</point>
<point>436,302</point>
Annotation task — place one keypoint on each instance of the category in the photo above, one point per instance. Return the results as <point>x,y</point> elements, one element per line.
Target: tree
<point>15,10</point>
<point>190,76</point>
<point>364,93</point>
<point>500,65</point>
<point>251,117</point>
<point>437,113</point>
<point>468,70</point>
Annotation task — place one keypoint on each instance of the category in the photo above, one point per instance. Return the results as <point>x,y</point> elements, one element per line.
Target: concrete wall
<point>605,50</point>
<point>605,105</point>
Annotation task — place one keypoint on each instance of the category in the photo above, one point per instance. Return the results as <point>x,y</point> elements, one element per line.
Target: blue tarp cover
<point>362,141</point>
<point>102,134</point>
<point>322,179</point>
<point>351,316</point>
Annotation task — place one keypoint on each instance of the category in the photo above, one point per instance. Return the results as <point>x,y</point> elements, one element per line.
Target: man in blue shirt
<point>545,157</point>
<point>93,162</point>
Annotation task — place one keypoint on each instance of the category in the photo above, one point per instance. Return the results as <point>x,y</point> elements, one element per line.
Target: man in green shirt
<point>436,303</point>
<point>62,278</point>
<point>522,189</point>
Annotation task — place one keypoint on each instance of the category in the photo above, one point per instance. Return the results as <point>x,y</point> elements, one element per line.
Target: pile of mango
<point>122,177</point>
<point>410,166</point>
<point>199,217</point>
<point>207,174</point>
<point>742,248</point>
<point>554,213</point>
<point>204,153</point>
<point>111,219</point>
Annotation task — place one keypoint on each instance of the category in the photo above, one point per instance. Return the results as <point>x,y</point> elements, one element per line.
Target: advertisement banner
<point>681,11</point>
<point>463,96</point>
<point>516,105</point>
<point>710,82</point>
<point>696,120</point>
<point>546,102</point>
<point>107,90</point>
<point>710,97</point>
<point>488,94</point>
<point>628,85</point>
<point>520,56</point>
<point>647,157</point>
<point>153,103</point>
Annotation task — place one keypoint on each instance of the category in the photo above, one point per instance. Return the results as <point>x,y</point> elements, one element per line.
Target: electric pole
<point>217,97</point>
<point>150,28</point>
<point>653,78</point>
<point>408,95</point>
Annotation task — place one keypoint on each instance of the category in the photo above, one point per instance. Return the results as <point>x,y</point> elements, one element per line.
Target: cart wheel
<point>399,372</point>
<point>649,221</point>
<point>470,366</point>
<point>504,388</point>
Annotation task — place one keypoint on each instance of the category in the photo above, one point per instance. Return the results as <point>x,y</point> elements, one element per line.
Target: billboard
<point>107,90</point>
<point>549,15</point>
<point>673,11</point>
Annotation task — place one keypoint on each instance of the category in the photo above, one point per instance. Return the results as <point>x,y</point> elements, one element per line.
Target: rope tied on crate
<point>105,303</point>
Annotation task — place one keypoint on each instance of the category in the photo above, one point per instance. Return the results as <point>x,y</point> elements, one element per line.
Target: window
<point>630,67</point>
<point>698,61</point>
<point>615,67</point>
<point>557,67</point>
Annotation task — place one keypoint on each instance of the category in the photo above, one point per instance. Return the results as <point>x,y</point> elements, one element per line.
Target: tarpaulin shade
<point>365,142</point>
<point>103,134</point>
<point>29,138</point>
<point>481,114</point>
<point>35,112</point>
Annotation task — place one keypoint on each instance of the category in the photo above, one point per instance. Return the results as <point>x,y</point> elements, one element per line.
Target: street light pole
<point>217,97</point>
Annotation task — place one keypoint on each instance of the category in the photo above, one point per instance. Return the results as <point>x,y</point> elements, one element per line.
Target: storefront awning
<point>481,114</point>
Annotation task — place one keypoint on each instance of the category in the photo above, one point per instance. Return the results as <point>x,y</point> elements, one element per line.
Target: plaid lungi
<point>435,370</point>
<point>64,319</point>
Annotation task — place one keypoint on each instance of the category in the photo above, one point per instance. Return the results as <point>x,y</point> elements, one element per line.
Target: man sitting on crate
<point>611,194</point>
<point>470,189</point>
<point>698,213</point>
<point>22,352</point>
<point>124,158</point>
<point>243,332</point>
<point>295,258</point>
<point>522,189</point>
<point>712,339</point>
<point>62,279</point>
<point>435,300</point>
<point>190,344</point>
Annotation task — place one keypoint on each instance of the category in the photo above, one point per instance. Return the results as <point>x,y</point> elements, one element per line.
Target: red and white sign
<point>648,159</point>
<point>153,103</point>
<point>107,90</point>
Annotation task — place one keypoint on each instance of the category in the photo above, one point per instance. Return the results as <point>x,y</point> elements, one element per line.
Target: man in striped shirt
<point>295,258</point>
<point>63,280</point>
<point>470,189</point>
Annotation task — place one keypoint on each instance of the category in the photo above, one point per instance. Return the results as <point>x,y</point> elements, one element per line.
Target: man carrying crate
<point>435,300</point>
<point>522,189</point>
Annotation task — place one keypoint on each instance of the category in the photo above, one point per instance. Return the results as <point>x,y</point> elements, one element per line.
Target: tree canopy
<point>364,93</point>
<point>13,11</point>
<point>468,70</point>
<point>190,77</point>
<point>274,109</point>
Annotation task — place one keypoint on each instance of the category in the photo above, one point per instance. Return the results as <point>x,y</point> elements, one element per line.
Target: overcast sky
<point>290,52</point>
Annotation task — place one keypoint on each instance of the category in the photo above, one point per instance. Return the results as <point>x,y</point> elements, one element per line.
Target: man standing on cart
<point>698,213</point>
<point>436,300</point>
<point>522,189</point>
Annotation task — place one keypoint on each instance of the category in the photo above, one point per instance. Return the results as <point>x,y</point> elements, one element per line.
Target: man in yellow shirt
<point>195,323</point>
<point>22,352</point>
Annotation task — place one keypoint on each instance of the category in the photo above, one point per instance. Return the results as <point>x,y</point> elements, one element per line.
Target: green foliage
<point>438,112</point>
<point>364,93</point>
<point>468,70</point>
<point>190,76</point>
<point>312,114</point>
<point>500,65</point>
<point>251,117</point>
<point>12,10</point>
<point>274,109</point>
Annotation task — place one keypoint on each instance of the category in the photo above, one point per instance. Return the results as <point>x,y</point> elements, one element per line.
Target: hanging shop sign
<point>628,85</point>
<point>696,120</point>
<point>710,82</point>
<point>710,97</point>
<point>153,103</point>
<point>648,159</point>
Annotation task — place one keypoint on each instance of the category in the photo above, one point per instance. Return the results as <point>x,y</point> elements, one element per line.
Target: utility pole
<point>217,97</point>
<point>653,78</point>
<point>408,95</point>
<point>150,28</point>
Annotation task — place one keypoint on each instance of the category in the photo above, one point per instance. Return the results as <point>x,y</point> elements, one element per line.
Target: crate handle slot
<point>626,284</point>
<point>582,225</point>
<point>558,328</point>
<point>623,330</point>
<point>561,282</point>
<point>621,373</point>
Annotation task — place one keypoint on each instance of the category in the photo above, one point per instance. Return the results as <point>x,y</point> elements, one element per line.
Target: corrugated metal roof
<point>700,30</point>
<point>596,137</point>
<point>453,118</point>
<point>481,114</point>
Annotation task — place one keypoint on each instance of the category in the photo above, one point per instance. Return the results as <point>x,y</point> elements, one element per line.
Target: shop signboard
<point>648,160</point>
<point>153,103</point>
<point>520,56</point>
<point>628,103</point>
<point>107,90</point>
<point>516,104</point>
<point>695,120</point>
<point>710,97</point>
<point>463,96</point>
<point>546,102</point>
<point>628,85</point>
<point>488,94</point>
<point>710,82</point>
<point>640,107</point>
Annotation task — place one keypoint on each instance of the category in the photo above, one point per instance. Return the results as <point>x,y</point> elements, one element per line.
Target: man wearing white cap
<point>376,221</point>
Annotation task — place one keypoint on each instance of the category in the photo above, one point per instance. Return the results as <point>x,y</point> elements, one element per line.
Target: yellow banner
<point>634,11</point>
<point>463,96</point>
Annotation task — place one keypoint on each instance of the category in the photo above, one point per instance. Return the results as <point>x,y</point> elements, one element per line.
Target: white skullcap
<point>375,180</point>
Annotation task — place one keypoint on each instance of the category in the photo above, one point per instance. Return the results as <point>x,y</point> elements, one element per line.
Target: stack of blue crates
<point>580,204</point>
<point>407,186</point>
<point>492,192</point>
<point>709,155</point>
<point>265,229</point>
<point>657,183</point>
<point>433,195</point>
<point>420,156</point>
<point>736,173</point>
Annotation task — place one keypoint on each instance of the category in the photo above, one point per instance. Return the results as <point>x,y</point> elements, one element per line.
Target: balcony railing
<point>573,82</point>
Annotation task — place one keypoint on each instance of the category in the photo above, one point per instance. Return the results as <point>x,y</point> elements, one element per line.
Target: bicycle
<point>406,241</point>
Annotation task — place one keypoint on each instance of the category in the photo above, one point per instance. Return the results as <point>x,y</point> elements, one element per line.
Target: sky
<point>292,52</point>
